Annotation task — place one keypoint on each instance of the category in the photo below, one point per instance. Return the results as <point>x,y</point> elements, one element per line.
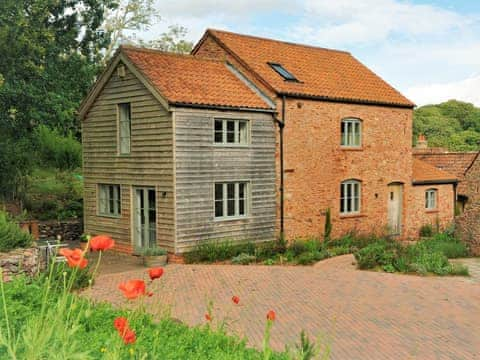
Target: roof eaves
<point>435,182</point>
<point>221,107</point>
<point>347,100</point>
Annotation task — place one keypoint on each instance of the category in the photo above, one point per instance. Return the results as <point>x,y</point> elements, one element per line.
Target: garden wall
<point>20,261</point>
<point>69,230</point>
<point>468,223</point>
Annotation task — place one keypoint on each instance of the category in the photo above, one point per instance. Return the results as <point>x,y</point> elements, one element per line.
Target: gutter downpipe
<point>281,125</point>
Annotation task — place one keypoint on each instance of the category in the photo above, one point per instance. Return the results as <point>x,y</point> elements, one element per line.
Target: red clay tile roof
<point>185,79</point>
<point>455,163</point>
<point>322,73</point>
<point>429,174</point>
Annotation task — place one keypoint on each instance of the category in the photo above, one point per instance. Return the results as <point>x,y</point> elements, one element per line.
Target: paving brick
<point>367,315</point>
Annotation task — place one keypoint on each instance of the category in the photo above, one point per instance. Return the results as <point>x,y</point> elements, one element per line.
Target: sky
<point>427,49</point>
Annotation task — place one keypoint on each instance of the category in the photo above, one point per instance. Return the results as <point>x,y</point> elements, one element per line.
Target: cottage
<point>466,167</point>
<point>247,138</point>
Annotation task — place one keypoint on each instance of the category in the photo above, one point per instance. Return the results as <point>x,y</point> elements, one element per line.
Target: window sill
<point>352,216</point>
<point>351,148</point>
<point>432,211</point>
<point>230,146</point>
<point>231,218</point>
<point>110,216</point>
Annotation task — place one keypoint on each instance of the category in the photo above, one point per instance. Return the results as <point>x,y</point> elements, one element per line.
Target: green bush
<point>243,259</point>
<point>426,230</point>
<point>448,245</point>
<point>11,236</point>
<point>212,251</point>
<point>375,255</point>
<point>55,150</point>
<point>306,258</point>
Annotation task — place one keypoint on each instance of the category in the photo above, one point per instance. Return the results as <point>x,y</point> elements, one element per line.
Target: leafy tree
<point>173,41</point>
<point>129,15</point>
<point>50,55</point>
<point>454,125</point>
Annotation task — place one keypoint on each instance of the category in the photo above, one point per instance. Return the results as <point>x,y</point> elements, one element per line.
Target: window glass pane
<point>357,133</point>
<point>344,133</point>
<point>241,190</point>
<point>218,191</point>
<point>242,132</point>
<point>218,125</point>
<point>230,131</point>
<point>124,127</point>
<point>219,208</point>
<point>125,145</point>
<point>230,199</point>
<point>218,131</point>
<point>241,207</point>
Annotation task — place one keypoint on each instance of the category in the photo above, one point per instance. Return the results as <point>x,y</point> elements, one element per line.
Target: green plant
<point>150,251</point>
<point>447,244</point>
<point>328,226</point>
<point>306,258</point>
<point>377,254</point>
<point>211,251</point>
<point>426,230</point>
<point>243,259</point>
<point>11,236</point>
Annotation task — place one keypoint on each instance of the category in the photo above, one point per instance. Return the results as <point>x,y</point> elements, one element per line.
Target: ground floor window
<point>350,193</point>
<point>231,199</point>
<point>431,199</point>
<point>109,202</point>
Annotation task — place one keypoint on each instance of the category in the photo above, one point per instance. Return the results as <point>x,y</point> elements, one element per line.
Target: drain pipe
<point>281,125</point>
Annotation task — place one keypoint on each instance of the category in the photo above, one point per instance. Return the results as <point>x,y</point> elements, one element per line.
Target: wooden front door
<point>145,221</point>
<point>395,200</point>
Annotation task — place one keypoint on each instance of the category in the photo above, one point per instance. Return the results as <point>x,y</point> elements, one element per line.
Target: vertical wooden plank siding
<point>150,162</point>
<point>199,164</point>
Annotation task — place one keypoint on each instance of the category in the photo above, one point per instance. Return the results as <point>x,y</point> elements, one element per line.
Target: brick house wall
<point>315,163</point>
<point>419,215</point>
<point>468,223</point>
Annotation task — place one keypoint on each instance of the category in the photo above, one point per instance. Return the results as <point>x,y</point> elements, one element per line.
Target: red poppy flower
<point>235,299</point>
<point>155,273</point>
<point>74,257</point>
<point>121,324</point>
<point>208,317</point>
<point>101,243</point>
<point>133,289</point>
<point>129,337</point>
<point>271,315</point>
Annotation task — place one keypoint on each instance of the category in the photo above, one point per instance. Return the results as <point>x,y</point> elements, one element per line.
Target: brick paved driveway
<point>368,315</point>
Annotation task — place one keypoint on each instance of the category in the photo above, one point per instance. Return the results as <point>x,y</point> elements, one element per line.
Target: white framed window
<point>231,132</point>
<point>124,128</point>
<point>431,199</point>
<point>109,200</point>
<point>350,197</point>
<point>231,199</point>
<point>351,130</point>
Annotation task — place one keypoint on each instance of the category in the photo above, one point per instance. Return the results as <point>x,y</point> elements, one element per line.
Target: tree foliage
<point>173,41</point>
<point>454,125</point>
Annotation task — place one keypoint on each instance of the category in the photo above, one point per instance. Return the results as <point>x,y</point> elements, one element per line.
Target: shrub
<point>11,236</point>
<point>243,259</point>
<point>306,258</point>
<point>61,152</point>
<point>211,251</point>
<point>448,245</point>
<point>426,230</point>
<point>298,247</point>
<point>377,254</point>
<point>328,226</point>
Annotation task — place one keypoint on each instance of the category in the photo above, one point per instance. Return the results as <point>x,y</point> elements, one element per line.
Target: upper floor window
<point>351,133</point>
<point>231,131</point>
<point>231,199</point>
<point>124,128</point>
<point>350,195</point>
<point>109,202</point>
<point>431,199</point>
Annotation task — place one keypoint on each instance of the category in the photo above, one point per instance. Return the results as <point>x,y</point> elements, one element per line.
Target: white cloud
<point>466,90</point>
<point>350,22</point>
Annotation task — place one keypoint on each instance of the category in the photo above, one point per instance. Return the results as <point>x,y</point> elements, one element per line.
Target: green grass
<point>71,327</point>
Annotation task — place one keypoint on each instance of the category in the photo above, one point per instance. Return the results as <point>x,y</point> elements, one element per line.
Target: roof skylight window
<point>283,72</point>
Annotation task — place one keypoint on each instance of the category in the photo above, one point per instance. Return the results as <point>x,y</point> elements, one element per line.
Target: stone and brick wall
<point>69,230</point>
<point>468,223</point>
<point>441,217</point>
<point>20,261</point>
